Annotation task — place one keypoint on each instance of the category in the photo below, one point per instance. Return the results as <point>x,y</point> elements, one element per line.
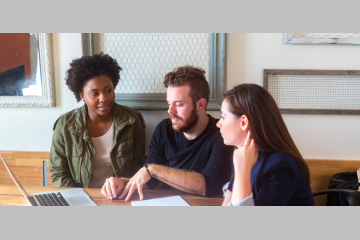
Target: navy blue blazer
<point>277,180</point>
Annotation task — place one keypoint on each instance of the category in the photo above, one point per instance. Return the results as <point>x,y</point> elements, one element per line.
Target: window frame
<point>288,39</point>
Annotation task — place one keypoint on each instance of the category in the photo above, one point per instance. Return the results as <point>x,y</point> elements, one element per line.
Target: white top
<point>102,167</point>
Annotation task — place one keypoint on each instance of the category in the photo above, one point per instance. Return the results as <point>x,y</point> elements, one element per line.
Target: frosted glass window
<point>146,57</point>
<point>333,92</point>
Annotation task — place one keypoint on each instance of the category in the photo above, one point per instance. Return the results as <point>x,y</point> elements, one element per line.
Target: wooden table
<point>11,196</point>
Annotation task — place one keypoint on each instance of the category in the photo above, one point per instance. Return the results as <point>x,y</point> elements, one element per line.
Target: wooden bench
<point>322,170</point>
<point>28,168</point>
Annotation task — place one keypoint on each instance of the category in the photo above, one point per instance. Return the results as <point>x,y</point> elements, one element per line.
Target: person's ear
<point>201,104</point>
<point>244,123</point>
<point>81,96</point>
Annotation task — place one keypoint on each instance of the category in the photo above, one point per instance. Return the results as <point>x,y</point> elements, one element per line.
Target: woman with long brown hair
<point>268,169</point>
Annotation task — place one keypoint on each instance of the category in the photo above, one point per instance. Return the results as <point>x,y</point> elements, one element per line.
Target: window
<point>146,57</point>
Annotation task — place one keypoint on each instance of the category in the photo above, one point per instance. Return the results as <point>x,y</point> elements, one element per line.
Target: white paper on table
<point>167,201</point>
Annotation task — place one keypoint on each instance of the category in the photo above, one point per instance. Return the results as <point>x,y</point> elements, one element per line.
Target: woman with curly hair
<point>268,169</point>
<point>101,139</point>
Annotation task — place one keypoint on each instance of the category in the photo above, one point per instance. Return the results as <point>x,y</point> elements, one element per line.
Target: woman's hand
<point>227,198</point>
<point>113,187</point>
<point>245,156</point>
<point>244,159</point>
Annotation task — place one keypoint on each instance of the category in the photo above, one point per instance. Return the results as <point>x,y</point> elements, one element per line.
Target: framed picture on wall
<point>26,70</point>
<point>146,57</point>
<point>322,38</point>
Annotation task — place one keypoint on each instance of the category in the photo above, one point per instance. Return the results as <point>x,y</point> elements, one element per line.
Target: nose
<point>218,124</point>
<point>171,109</point>
<point>102,97</point>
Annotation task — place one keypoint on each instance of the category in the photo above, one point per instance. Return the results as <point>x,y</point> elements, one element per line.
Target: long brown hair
<point>267,126</point>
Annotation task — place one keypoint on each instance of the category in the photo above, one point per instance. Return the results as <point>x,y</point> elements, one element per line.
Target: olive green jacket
<point>72,152</point>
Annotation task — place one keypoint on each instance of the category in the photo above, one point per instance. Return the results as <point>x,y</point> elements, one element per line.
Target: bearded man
<point>187,151</point>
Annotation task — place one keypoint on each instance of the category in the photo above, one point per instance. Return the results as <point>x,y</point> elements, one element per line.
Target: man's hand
<point>113,187</point>
<point>136,182</point>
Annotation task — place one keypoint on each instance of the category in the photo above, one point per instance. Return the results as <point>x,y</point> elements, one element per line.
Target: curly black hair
<point>83,69</point>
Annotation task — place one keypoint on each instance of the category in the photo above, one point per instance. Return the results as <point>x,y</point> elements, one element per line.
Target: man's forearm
<point>190,182</point>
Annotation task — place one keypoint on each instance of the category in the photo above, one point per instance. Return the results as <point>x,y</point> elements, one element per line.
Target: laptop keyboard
<point>51,199</point>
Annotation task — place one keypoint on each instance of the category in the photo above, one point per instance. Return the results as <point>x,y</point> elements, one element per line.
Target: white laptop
<point>70,197</point>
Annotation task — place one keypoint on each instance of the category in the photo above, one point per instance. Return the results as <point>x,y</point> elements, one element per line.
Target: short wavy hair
<point>193,77</point>
<point>83,69</point>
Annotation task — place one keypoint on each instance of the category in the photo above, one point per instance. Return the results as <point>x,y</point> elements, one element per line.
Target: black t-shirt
<point>206,154</point>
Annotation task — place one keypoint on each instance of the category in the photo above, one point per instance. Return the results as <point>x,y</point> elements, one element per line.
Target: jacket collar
<point>122,117</point>
<point>77,125</point>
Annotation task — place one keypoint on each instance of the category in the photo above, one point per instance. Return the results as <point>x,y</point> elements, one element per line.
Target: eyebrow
<point>175,101</point>
<point>104,87</point>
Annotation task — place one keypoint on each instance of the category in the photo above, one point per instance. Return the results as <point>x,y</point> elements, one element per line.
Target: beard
<point>187,124</point>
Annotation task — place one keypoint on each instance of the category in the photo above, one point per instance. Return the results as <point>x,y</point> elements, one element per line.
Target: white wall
<point>30,129</point>
<point>317,136</point>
